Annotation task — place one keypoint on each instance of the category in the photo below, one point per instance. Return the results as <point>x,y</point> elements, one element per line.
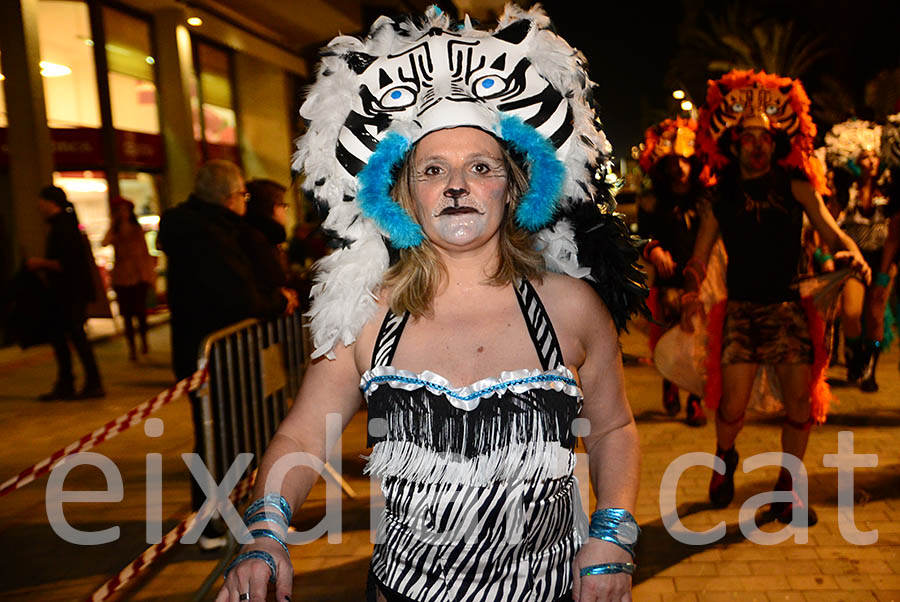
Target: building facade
<point>108,99</point>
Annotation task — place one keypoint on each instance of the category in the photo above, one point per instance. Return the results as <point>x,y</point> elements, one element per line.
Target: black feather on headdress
<point>606,246</point>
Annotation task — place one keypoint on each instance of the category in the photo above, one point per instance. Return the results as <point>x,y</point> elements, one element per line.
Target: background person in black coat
<point>211,278</point>
<point>211,281</point>
<point>66,268</point>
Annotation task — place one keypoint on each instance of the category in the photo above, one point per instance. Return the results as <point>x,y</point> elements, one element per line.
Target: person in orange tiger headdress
<point>668,218</point>
<point>756,135</point>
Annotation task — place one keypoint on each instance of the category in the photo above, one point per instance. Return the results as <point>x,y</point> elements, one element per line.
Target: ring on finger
<point>244,596</point>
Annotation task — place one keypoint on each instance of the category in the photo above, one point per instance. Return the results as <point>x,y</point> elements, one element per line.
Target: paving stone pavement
<point>39,565</point>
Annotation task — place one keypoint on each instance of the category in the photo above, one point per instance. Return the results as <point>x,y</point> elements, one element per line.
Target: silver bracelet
<point>256,555</point>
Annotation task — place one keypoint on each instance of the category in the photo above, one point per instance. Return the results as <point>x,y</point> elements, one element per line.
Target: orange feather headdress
<point>747,98</point>
<point>667,137</point>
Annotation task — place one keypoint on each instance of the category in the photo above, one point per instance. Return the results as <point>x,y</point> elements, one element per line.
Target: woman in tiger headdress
<point>756,134</point>
<point>668,218</point>
<point>854,152</point>
<point>459,167</point>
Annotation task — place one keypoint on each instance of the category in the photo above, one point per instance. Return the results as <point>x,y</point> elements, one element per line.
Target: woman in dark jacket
<point>264,234</point>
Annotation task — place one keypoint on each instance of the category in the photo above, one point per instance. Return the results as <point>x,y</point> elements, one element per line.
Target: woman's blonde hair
<point>416,277</point>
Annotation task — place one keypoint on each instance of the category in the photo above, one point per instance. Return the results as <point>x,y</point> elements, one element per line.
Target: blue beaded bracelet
<point>267,517</point>
<point>257,533</point>
<point>270,499</point>
<point>617,526</point>
<point>256,555</point>
<point>609,568</point>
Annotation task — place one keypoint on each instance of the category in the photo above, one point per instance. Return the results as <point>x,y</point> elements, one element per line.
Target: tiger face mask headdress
<point>669,137</point>
<point>374,98</point>
<point>744,99</point>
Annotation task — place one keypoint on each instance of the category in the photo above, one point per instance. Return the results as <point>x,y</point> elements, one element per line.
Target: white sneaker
<point>209,544</point>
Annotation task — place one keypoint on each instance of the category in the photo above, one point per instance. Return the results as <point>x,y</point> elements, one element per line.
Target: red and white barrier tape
<point>107,431</point>
<point>143,562</point>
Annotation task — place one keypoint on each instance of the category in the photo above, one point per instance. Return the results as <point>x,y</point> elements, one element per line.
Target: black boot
<point>867,383</point>
<point>783,512</point>
<point>61,390</point>
<point>92,390</point>
<point>854,352</point>
<point>671,403</point>
<point>721,486</point>
<point>695,414</point>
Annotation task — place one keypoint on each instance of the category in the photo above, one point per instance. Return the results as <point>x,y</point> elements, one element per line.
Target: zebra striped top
<point>480,499</point>
<point>869,232</point>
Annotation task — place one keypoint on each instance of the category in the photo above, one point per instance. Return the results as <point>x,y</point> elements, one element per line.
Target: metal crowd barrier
<point>255,370</point>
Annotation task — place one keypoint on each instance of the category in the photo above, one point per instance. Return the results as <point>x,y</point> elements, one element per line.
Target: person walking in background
<point>133,273</point>
<point>853,148</point>
<point>66,268</point>
<point>767,180</point>
<point>670,220</point>
<point>211,281</point>
<point>265,234</point>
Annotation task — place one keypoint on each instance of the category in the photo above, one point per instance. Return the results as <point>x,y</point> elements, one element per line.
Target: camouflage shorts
<point>766,333</point>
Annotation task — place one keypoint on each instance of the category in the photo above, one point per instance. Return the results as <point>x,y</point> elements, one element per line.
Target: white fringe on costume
<point>528,462</point>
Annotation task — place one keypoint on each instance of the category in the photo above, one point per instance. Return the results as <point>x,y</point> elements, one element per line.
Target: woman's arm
<point>612,447</point>
<point>824,223</point>
<point>330,387</point>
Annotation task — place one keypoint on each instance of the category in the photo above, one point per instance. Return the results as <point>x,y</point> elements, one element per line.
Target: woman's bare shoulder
<point>568,295</point>
<point>579,316</point>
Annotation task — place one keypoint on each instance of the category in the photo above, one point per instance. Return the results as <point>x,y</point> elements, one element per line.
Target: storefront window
<point>219,119</point>
<point>67,64</point>
<point>141,189</point>
<point>132,90</point>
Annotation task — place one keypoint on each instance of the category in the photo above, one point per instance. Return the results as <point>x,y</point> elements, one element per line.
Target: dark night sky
<point>629,45</point>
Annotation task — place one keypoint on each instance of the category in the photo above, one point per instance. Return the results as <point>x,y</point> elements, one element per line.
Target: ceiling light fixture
<point>195,21</point>
<point>49,69</point>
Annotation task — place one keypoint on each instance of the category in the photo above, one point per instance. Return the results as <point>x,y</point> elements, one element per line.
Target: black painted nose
<point>455,193</point>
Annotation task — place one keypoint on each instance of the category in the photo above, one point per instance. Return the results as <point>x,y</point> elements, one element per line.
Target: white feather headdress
<point>373,98</point>
<point>846,140</point>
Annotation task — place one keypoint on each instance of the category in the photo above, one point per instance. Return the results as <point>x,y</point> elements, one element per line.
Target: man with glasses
<point>211,282</point>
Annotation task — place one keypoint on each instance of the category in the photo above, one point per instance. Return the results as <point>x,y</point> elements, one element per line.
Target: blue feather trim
<point>546,173</point>
<point>375,181</point>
